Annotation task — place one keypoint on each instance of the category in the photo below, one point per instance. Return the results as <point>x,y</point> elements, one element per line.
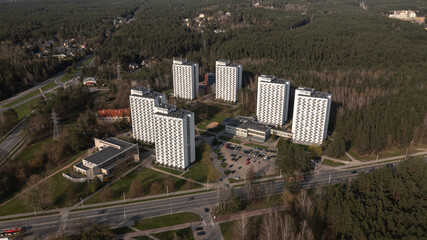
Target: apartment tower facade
<point>228,80</point>
<point>185,79</point>
<point>311,116</point>
<point>272,100</point>
<point>175,140</point>
<point>142,103</point>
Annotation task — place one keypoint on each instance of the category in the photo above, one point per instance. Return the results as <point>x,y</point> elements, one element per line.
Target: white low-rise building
<point>228,80</point>
<point>272,100</point>
<point>175,138</point>
<point>185,79</point>
<point>310,116</point>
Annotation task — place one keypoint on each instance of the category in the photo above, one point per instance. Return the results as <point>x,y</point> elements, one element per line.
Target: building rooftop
<point>227,63</point>
<point>173,111</point>
<point>248,123</point>
<point>145,92</point>
<point>272,79</point>
<point>80,165</point>
<point>107,153</point>
<point>312,93</point>
<point>179,61</point>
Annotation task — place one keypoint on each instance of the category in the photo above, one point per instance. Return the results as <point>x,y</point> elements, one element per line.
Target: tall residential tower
<point>311,116</point>
<point>142,103</point>
<point>272,100</point>
<point>228,80</point>
<point>185,79</point>
<point>175,144</point>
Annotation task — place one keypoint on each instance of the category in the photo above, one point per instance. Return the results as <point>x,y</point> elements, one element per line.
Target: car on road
<point>353,172</point>
<point>199,228</point>
<point>102,211</point>
<point>201,233</point>
<point>206,210</point>
<point>190,198</point>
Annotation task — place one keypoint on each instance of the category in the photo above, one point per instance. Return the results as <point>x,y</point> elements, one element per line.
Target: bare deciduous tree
<point>287,228</point>
<point>241,227</point>
<point>268,190</point>
<point>303,205</point>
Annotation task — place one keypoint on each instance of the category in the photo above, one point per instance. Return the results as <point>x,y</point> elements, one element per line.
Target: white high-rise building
<point>228,80</point>
<point>185,79</point>
<point>142,103</point>
<point>272,100</point>
<point>311,116</point>
<point>175,144</point>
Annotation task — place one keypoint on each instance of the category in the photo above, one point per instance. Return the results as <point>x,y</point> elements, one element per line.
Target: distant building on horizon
<point>272,100</point>
<point>185,79</point>
<point>175,137</point>
<point>228,80</point>
<point>142,103</point>
<point>310,116</point>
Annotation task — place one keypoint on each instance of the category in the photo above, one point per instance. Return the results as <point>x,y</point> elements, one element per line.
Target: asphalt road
<point>14,138</point>
<point>118,215</point>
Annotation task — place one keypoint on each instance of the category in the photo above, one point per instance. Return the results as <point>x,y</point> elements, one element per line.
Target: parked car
<point>231,166</point>
<point>239,168</point>
<point>199,228</point>
<point>237,178</point>
<point>201,233</point>
<point>206,210</point>
<point>220,180</point>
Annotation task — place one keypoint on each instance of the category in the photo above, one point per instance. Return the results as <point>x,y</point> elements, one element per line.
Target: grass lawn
<point>49,86</point>
<point>24,109</point>
<point>15,206</point>
<point>203,171</point>
<point>385,154</point>
<point>31,94</point>
<point>173,171</point>
<point>213,113</point>
<point>207,134</point>
<point>122,230</point>
<point>167,220</point>
<point>185,233</point>
<point>232,180</point>
<point>227,228</point>
<point>147,177</point>
<point>142,238</point>
<point>332,163</point>
<point>68,76</point>
<point>29,151</point>
<point>256,145</point>
<point>229,139</point>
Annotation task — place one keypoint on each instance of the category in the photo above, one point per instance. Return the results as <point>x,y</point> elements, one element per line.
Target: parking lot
<point>238,159</point>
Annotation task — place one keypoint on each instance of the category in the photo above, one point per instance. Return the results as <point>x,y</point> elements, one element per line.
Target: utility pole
<point>56,129</point>
<point>329,179</point>
<point>34,210</point>
<point>280,174</point>
<point>378,156</point>
<point>81,202</point>
<point>124,202</point>
<point>167,191</point>
<point>118,70</point>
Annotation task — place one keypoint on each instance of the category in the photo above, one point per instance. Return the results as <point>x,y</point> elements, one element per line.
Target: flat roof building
<point>110,152</point>
<point>272,100</point>
<point>112,115</point>
<point>142,103</point>
<point>247,128</point>
<point>175,138</point>
<point>185,79</point>
<point>311,116</point>
<point>228,80</point>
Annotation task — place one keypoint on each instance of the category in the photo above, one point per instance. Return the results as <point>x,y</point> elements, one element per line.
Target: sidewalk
<point>174,175</point>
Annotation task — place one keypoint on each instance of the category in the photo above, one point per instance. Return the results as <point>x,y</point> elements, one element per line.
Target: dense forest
<point>360,56</point>
<point>385,204</point>
<point>27,25</point>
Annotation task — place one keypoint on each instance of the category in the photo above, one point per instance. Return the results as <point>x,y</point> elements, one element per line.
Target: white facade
<point>228,80</point>
<point>272,100</point>
<point>142,103</point>
<point>175,144</point>
<point>185,79</point>
<point>311,116</point>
